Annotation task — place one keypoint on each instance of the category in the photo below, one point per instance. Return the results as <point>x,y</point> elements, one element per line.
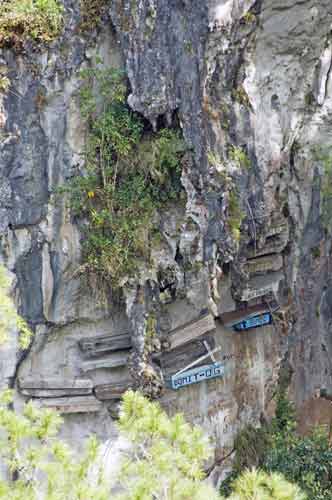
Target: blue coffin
<point>196,375</point>
<point>253,322</point>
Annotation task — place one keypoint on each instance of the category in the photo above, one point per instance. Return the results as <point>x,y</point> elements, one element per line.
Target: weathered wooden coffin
<point>107,392</point>
<point>96,346</point>
<point>184,355</point>
<point>112,361</point>
<point>264,264</point>
<point>253,322</point>
<point>278,227</point>
<point>253,293</point>
<point>190,331</point>
<point>78,404</point>
<point>276,240</point>
<point>196,375</point>
<point>54,387</point>
<point>231,318</point>
<point>272,245</point>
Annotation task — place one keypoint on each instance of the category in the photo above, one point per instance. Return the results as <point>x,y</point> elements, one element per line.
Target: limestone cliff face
<point>250,83</point>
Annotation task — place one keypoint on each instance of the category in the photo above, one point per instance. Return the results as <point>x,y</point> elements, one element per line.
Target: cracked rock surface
<point>239,76</point>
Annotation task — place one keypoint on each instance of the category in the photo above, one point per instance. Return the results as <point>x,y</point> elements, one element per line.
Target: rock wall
<point>250,84</point>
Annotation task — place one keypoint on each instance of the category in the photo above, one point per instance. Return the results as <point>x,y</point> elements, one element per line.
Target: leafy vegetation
<point>305,461</point>
<point>249,18</point>
<point>239,156</point>
<point>92,12</point>
<point>21,20</point>
<point>128,176</point>
<point>239,94</point>
<point>235,214</point>
<point>9,319</point>
<point>325,157</point>
<point>4,83</point>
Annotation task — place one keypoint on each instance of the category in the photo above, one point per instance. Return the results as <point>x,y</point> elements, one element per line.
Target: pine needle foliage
<point>39,466</point>
<point>9,319</point>
<point>164,461</point>
<point>259,485</point>
<point>166,458</point>
<point>128,176</point>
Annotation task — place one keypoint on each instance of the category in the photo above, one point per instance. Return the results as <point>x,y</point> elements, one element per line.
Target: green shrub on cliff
<point>21,20</point>
<point>305,461</point>
<point>128,175</point>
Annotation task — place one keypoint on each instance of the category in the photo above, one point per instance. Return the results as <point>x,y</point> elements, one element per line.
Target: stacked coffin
<point>185,343</point>
<point>264,265</point>
<point>107,352</point>
<point>189,347</point>
<point>276,239</point>
<point>64,396</point>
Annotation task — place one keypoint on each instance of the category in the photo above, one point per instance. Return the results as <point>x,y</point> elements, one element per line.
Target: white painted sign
<point>196,375</point>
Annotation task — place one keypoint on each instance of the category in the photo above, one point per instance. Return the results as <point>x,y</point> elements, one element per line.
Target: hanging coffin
<point>253,322</point>
<point>196,375</point>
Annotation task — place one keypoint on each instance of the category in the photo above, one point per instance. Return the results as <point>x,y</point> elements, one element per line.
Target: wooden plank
<point>115,390</point>
<point>53,387</point>
<point>96,346</point>
<point>183,355</point>
<point>190,331</point>
<point>264,264</point>
<point>115,361</point>
<point>196,375</point>
<point>79,404</point>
